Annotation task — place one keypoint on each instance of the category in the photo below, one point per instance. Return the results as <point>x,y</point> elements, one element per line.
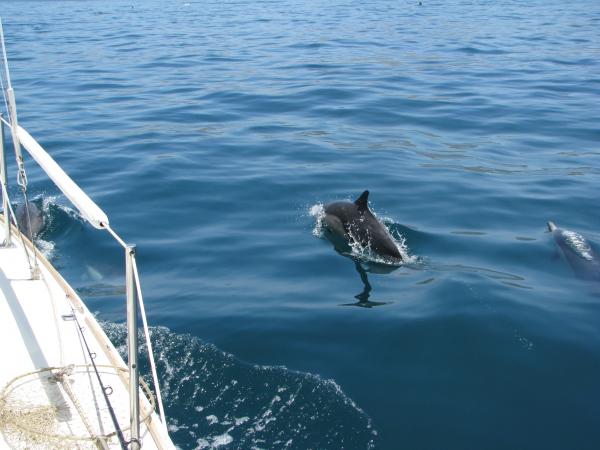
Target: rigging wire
<point>5,60</point>
<point>149,344</point>
<point>4,92</point>
<point>4,54</point>
<point>22,175</point>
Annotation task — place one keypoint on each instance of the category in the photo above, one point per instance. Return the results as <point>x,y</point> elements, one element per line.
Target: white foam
<point>55,200</point>
<point>202,443</point>
<point>173,427</point>
<point>46,247</point>
<point>318,212</point>
<point>241,420</point>
<point>212,419</point>
<point>219,441</point>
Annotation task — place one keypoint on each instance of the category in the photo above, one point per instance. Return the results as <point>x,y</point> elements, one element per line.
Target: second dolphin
<point>578,252</point>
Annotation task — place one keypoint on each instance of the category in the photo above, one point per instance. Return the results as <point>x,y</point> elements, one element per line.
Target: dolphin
<point>36,218</point>
<point>355,222</point>
<point>580,255</point>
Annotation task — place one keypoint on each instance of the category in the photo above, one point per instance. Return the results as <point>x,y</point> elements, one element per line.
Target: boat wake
<point>214,400</point>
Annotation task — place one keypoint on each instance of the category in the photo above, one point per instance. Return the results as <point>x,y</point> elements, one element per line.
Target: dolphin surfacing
<point>356,223</point>
<point>580,255</point>
<point>30,213</point>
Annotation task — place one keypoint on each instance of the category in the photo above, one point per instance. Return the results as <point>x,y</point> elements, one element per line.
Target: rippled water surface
<point>208,131</point>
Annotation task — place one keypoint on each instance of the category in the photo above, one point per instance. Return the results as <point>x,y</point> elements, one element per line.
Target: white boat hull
<point>40,322</point>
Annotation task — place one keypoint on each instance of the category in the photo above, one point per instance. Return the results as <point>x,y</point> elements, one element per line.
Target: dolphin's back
<point>345,211</point>
<point>36,218</point>
<point>578,252</point>
<point>379,238</point>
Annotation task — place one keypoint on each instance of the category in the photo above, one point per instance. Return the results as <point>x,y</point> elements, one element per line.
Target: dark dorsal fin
<point>363,201</point>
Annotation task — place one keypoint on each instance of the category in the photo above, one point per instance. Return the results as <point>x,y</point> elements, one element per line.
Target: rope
<point>60,377</point>
<point>25,427</point>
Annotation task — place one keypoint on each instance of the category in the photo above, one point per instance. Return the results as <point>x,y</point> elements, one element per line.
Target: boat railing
<point>92,213</point>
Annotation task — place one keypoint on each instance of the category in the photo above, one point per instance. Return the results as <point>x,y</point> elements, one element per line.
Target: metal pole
<point>132,345</point>
<point>12,112</point>
<point>7,241</point>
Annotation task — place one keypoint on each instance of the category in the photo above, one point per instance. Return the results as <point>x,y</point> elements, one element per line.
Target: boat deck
<point>64,407</point>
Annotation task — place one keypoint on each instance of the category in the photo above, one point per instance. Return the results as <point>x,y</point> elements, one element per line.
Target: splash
<point>51,205</point>
<point>213,400</point>
<point>46,247</point>
<point>318,212</point>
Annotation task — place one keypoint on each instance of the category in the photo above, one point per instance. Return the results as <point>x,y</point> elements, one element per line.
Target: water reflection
<point>362,267</point>
<point>363,297</point>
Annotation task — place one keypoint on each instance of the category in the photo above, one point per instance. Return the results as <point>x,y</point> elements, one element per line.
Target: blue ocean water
<point>210,130</point>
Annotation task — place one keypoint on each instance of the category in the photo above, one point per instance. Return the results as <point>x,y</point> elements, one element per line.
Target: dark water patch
<point>480,51</point>
<point>100,86</point>
<point>312,66</point>
<point>271,129</point>
<point>309,45</point>
<point>222,59</point>
<point>469,233</point>
<point>360,44</point>
<point>574,62</point>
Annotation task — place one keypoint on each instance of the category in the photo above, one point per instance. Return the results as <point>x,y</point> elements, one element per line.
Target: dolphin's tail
<point>551,226</point>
